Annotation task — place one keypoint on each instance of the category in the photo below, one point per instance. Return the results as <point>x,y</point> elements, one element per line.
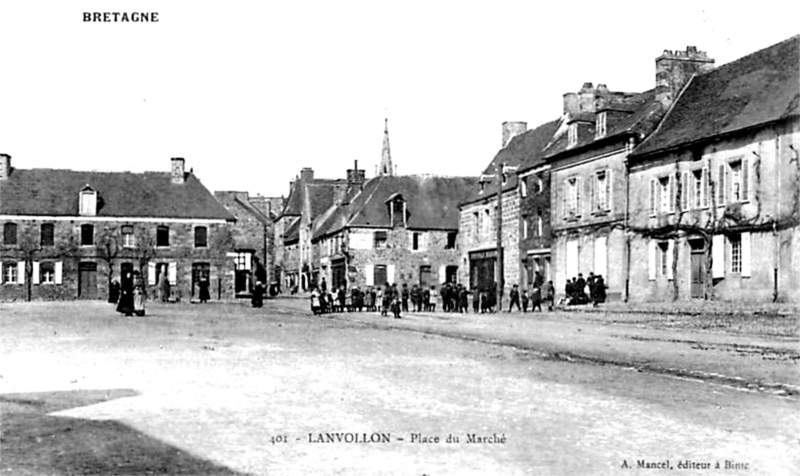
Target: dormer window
<point>483,185</point>
<point>88,201</point>
<point>572,135</point>
<point>523,188</point>
<point>600,126</point>
<point>397,210</point>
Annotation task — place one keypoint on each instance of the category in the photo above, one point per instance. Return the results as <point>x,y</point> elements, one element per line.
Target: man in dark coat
<point>513,298</point>
<point>404,297</point>
<point>125,304</point>
<point>257,299</point>
<point>204,294</point>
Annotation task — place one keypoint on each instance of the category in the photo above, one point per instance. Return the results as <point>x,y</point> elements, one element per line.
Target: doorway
<point>87,280</point>
<point>698,268</point>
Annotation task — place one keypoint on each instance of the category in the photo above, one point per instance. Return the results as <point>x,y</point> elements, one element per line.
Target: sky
<point>250,92</point>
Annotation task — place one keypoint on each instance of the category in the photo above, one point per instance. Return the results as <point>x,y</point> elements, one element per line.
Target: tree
<point>108,249</point>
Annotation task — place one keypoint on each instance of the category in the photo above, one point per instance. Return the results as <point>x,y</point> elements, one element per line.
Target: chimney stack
<point>512,129</point>
<point>178,170</point>
<point>675,68</point>
<point>355,177</point>
<point>5,166</point>
<point>307,174</point>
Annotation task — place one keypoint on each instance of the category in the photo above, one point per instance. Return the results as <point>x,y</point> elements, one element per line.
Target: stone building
<point>533,185</point>
<point>67,234</point>
<point>394,229</point>
<point>588,175</point>
<point>478,213</point>
<point>253,237</point>
<point>714,192</point>
<point>308,198</point>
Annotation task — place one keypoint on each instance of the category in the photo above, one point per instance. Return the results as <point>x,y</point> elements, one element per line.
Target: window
<point>738,188</point>
<point>476,231</point>
<point>162,236</point>
<point>10,273</point>
<point>699,192</point>
<point>601,196</point>
<point>47,272</point>
<point>662,195</point>
<point>88,202</point>
<point>200,237</point>
<point>380,240</point>
<point>601,125</point>
<point>539,224</point>
<point>87,235</point>
<point>128,240</point>
<point>663,250</point>
<point>487,223</point>
<point>572,135</point>
<point>736,253</point>
<point>47,234</point>
<point>243,261</point>
<point>10,234</point>
<point>451,240</point>
<point>523,188</point>
<point>415,241</point>
<point>572,198</point>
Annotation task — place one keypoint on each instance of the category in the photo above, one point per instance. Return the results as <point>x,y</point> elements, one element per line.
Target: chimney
<point>307,174</point>
<point>512,129</point>
<point>5,166</point>
<point>178,170</point>
<point>674,68</point>
<point>355,177</point>
<point>585,100</point>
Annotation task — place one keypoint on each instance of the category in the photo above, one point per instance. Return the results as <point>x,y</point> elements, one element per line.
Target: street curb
<point>770,388</point>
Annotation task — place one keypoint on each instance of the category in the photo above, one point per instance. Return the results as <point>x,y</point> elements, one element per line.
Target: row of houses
<point>69,234</point>
<point>688,190</point>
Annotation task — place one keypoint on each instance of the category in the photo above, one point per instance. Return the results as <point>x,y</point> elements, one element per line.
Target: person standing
<point>164,287</point>
<point>204,294</point>
<point>525,300</point>
<point>138,294</point>
<point>550,295</point>
<point>514,298</point>
<point>536,299</point>
<point>426,299</point>
<point>405,297</point>
<point>434,297</point>
<point>257,300</point>
<point>125,304</point>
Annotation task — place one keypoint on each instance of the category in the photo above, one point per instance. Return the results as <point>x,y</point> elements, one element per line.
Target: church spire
<point>386,156</point>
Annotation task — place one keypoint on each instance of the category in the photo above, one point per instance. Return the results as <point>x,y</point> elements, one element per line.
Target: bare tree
<point>108,249</point>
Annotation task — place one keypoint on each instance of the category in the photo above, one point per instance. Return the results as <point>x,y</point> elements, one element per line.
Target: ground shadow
<point>35,443</point>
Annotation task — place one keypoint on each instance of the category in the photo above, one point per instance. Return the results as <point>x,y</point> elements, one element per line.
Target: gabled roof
<point>51,192</point>
<point>757,89</point>
<point>637,118</point>
<point>522,151</point>
<point>257,214</point>
<point>292,232</point>
<point>316,194</point>
<point>431,202</point>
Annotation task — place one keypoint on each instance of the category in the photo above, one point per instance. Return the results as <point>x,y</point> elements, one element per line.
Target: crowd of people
<point>575,290</point>
<point>454,297</point>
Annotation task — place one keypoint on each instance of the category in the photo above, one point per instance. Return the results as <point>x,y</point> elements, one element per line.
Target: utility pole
<point>499,228</point>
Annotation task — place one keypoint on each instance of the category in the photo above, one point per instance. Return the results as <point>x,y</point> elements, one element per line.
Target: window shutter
<point>718,256</point>
<point>652,196</point>
<point>565,201</point>
<point>369,273</point>
<point>592,198</point>
<point>442,274</point>
<point>2,275</point>
<point>746,265</point>
<point>704,194</point>
<point>670,250</point>
<point>609,189</point>
<point>35,275</point>
<point>172,273</point>
<point>651,260</point>
<point>745,180</point>
<point>721,186</point>
<point>671,193</point>
<point>578,196</point>
<point>685,191</point>
<point>21,272</point>
<point>151,274</point>
<point>390,274</point>
<point>59,271</point>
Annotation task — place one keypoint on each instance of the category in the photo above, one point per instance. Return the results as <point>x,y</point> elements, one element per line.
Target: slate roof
<point>523,151</point>
<point>432,204</point>
<point>52,192</point>
<point>759,88</point>
<point>292,232</point>
<point>640,118</point>
<point>318,194</point>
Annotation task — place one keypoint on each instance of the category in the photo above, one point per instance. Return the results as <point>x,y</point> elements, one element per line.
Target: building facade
<point>68,234</point>
<point>715,203</point>
<point>253,237</point>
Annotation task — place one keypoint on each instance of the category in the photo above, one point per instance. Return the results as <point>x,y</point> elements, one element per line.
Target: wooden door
<point>87,280</point>
<point>698,266</point>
